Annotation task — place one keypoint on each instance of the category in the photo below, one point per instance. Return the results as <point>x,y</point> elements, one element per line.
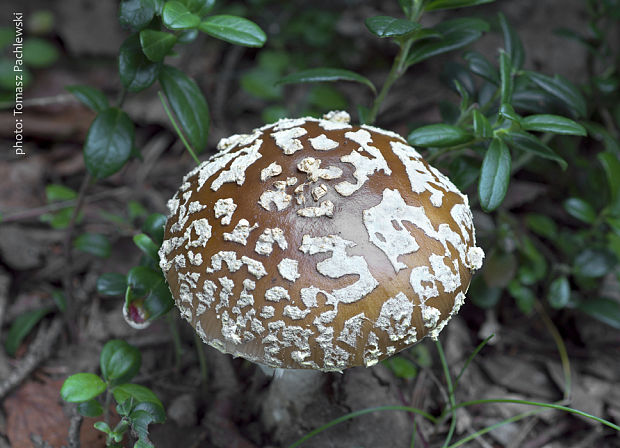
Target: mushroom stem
<point>288,394</point>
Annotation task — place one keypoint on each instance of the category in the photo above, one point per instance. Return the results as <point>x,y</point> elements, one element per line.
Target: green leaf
<point>439,136</point>
<point>451,4</point>
<point>563,90</point>
<point>552,123</point>
<point>482,127</point>
<point>479,65</point>
<point>524,296</point>
<point>94,244</point>
<point>188,103</point>
<point>542,225</point>
<point>103,427</point>
<point>90,97</point>
<point>325,74</point>
<point>593,263</point>
<point>90,408</point>
<point>527,142</point>
<point>455,33</point>
<point>156,413</point>
<point>39,53</point>
<point>60,300</point>
<point>402,367</point>
<point>55,192</point>
<point>82,387</point>
<point>20,328</point>
<point>139,393</point>
<point>199,7</point>
<point>156,44</point>
<point>148,291</point>
<point>605,310</point>
<point>112,284</point>
<point>234,30</point>
<point>483,296</point>
<point>507,111</point>
<point>533,266</point>
<point>494,175</point>
<point>119,362</point>
<point>154,227</point>
<point>611,165</point>
<point>505,75</point>
<point>580,209</point>
<point>512,43</point>
<point>136,71</point>
<point>135,14</point>
<point>176,16</point>
<point>146,245</point>
<point>385,26</point>
<point>559,292</point>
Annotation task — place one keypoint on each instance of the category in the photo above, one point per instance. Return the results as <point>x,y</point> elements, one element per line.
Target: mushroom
<point>314,244</point>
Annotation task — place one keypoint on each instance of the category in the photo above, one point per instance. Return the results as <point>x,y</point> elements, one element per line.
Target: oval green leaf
<point>611,165</point>
<point>559,292</point>
<point>480,65</point>
<point>512,43</point>
<point>605,310</point>
<point>552,123</point>
<point>580,209</point>
<point>482,127</point>
<point>112,284</point>
<point>494,175</point>
<point>176,16</point>
<point>154,226</point>
<point>146,245</point>
<point>135,70</point>
<point>527,142</point>
<point>563,90</point>
<point>119,361</point>
<point>385,26</point>
<point>135,14</point>
<point>82,387</point>
<point>156,44</point>
<point>439,136</point>
<point>94,244</point>
<point>234,30</point>
<point>188,103</point>
<point>20,328</point>
<point>594,263</point>
<point>139,393</point>
<point>505,75</point>
<point>455,33</point>
<point>90,408</point>
<point>325,74</point>
<point>524,296</point>
<point>90,97</point>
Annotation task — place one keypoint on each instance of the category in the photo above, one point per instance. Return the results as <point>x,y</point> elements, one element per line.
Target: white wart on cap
<point>314,244</point>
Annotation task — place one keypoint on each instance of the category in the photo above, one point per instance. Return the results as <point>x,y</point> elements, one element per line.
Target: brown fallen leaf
<point>35,408</point>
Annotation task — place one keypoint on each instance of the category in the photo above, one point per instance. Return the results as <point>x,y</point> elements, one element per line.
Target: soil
<point>520,362</point>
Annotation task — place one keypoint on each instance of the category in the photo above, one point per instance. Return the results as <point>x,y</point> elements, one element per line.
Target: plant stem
<point>204,373</point>
<point>106,406</point>
<point>397,70</point>
<point>559,342</point>
<point>176,340</point>
<point>446,372</point>
<point>177,129</point>
<point>70,312</point>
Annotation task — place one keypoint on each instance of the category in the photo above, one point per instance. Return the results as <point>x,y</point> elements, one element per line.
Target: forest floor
<point>522,361</point>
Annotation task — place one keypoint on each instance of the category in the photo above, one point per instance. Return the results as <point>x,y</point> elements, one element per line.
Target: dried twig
<point>39,350</point>
<point>74,429</point>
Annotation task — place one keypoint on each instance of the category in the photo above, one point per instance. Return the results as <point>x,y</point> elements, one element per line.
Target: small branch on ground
<point>74,429</point>
<point>39,350</point>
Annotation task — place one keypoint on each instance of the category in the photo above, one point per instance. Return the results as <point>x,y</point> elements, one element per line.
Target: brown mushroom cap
<point>311,243</point>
